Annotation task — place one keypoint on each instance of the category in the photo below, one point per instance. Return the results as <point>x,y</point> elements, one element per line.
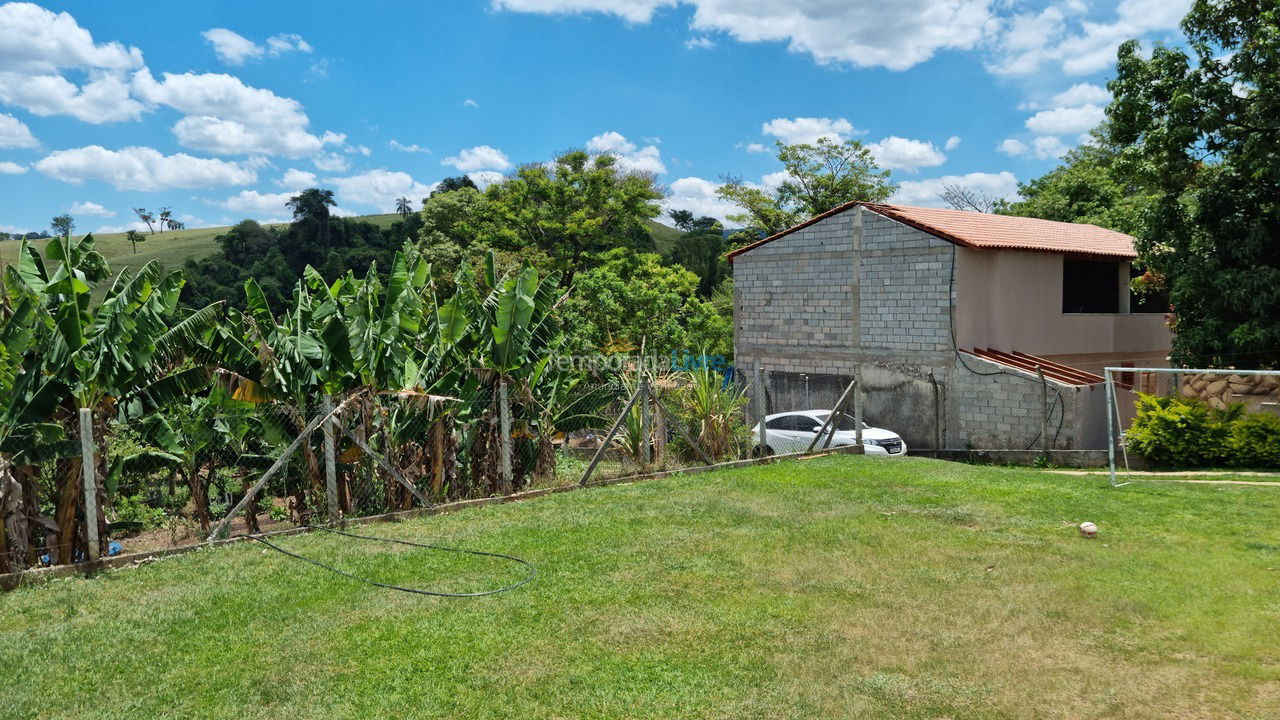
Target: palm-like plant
<point>403,207</point>
<point>120,358</point>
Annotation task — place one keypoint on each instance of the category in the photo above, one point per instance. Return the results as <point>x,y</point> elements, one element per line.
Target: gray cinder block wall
<point>860,289</point>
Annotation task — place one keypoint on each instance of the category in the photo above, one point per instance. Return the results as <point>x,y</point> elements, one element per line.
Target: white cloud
<point>379,188</point>
<point>37,41</point>
<point>330,162</point>
<point>952,143</point>
<point>142,168</point>
<point>698,196</point>
<point>1067,120</point>
<point>630,158</point>
<point>1081,94</point>
<point>113,229</point>
<point>36,45</point>
<point>807,129</point>
<point>898,153</point>
<point>1013,147</point>
<point>411,148</point>
<point>363,150</point>
<point>865,33</point>
<point>259,204</point>
<point>90,208</point>
<point>231,47</point>
<point>1049,147</point>
<point>925,193</point>
<point>485,178</point>
<point>700,42</point>
<point>470,103</point>
<point>11,168</point>
<point>756,148</point>
<point>226,117</point>
<point>14,134</point>
<point>295,179</point>
<point>480,157</point>
<point>1064,35</point>
<point>287,42</point>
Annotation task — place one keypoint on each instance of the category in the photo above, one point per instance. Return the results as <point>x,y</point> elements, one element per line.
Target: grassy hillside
<point>175,247</point>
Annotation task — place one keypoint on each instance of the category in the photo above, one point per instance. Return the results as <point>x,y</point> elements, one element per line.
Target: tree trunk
<point>68,512</point>
<point>199,499</point>
<point>251,510</point>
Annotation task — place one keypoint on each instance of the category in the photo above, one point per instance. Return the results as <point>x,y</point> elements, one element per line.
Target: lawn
<point>836,587</point>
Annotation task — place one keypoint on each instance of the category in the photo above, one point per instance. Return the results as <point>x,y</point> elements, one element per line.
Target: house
<point>952,318</point>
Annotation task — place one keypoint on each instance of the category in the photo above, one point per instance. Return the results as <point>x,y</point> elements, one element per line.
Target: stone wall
<point>1258,392</point>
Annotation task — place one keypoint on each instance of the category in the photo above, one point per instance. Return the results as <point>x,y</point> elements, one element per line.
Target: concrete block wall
<point>799,290</point>
<point>906,292</point>
<point>999,408</point>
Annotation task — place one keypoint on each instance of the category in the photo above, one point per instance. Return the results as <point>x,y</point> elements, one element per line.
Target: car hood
<point>870,434</point>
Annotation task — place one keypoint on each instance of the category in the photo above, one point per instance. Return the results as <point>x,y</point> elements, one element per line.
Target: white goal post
<point>1114,423</point>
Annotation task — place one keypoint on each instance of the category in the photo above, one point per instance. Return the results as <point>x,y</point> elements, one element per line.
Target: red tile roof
<point>988,232</point>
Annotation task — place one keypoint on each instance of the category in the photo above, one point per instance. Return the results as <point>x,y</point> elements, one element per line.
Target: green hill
<point>175,247</point>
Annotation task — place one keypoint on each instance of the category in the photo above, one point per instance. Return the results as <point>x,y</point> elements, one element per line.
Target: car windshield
<point>844,422</point>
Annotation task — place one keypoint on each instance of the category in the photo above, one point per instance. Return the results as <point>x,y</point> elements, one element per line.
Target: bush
<point>1178,431</point>
<point>136,509</point>
<point>1255,441</point>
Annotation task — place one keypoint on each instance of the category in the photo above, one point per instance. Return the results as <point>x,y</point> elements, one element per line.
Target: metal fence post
<point>504,442</point>
<point>762,409</point>
<point>89,468</point>
<point>330,462</point>
<point>646,457</point>
<point>857,405</point>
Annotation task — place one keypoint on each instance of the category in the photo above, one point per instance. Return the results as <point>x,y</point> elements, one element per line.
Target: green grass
<point>837,587</point>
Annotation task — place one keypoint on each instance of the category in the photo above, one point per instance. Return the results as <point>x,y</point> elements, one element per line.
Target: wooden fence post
<point>646,456</point>
<point>857,405</point>
<point>504,441</point>
<point>90,469</point>
<point>762,409</point>
<point>330,461</point>
<point>604,446</point>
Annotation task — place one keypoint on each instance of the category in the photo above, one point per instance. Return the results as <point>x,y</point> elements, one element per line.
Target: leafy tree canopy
<point>1086,188</point>
<point>1199,129</point>
<point>820,176</point>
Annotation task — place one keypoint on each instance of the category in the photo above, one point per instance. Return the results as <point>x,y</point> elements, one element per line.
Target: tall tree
<point>147,217</point>
<point>62,226</point>
<point>134,237</point>
<point>1199,128</point>
<point>165,218</point>
<point>1088,187</point>
<point>311,206</point>
<point>819,177</point>
<point>963,197</point>
<point>452,183</point>
<point>403,207</point>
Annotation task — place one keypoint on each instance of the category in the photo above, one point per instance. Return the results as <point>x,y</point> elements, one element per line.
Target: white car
<point>792,432</point>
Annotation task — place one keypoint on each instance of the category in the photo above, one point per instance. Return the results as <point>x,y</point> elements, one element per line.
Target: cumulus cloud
<point>480,157</point>
<point>700,42</point>
<point>1049,147</point>
<point>259,204</point>
<point>36,45</point>
<point>11,168</point>
<point>952,143</point>
<point>379,188</point>
<point>1065,36</point>
<point>898,153</point>
<point>1013,147</point>
<point>1081,94</point>
<point>15,134</point>
<point>142,168</point>
<point>756,148</point>
<point>485,178</point>
<point>470,103</point>
<point>807,129</point>
<point>1066,120</point>
<point>231,47</point>
<point>630,158</point>
<point>411,148</point>
<point>287,42</point>
<point>226,117</point>
<point>90,208</point>
<point>330,162</point>
<point>927,193</point>
<point>295,179</point>
<point>698,196</point>
<point>865,33</point>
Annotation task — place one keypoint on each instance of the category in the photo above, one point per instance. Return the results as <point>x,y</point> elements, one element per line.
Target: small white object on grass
<point>1088,529</point>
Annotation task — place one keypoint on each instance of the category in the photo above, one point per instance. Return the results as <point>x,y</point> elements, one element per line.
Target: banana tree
<point>123,356</point>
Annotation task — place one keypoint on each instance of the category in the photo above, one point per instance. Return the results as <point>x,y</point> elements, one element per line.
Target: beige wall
<point>1012,300</point>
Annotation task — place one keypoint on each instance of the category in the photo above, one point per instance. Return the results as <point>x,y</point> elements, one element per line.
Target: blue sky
<point>221,110</point>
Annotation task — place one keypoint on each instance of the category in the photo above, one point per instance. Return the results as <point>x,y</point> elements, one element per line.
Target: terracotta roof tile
<point>994,232</point>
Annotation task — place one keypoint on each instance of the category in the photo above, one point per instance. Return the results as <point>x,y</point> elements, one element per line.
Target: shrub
<point>135,509</point>
<point>1180,432</point>
<point>1255,441</point>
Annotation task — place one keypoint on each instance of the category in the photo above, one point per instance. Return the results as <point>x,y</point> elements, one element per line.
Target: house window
<point>1090,286</point>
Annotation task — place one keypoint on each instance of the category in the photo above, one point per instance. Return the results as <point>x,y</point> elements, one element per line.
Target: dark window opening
<point>1090,286</point>
<point>1153,302</point>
